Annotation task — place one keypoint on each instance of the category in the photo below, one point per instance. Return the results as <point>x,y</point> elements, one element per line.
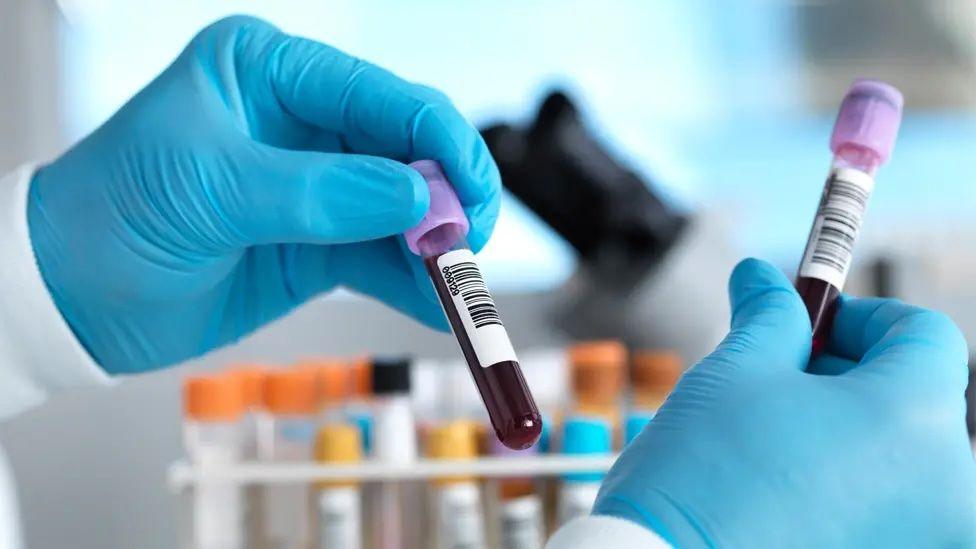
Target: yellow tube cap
<point>338,443</point>
<point>456,440</point>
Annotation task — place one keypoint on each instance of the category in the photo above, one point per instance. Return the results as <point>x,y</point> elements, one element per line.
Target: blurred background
<point>722,111</point>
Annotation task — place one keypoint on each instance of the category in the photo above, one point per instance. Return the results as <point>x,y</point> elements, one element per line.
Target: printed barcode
<point>471,287</point>
<point>841,213</point>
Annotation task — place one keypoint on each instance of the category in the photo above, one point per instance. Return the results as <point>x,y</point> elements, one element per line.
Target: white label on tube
<point>521,523</point>
<point>829,249</point>
<point>339,519</point>
<point>476,308</point>
<point>576,500</point>
<point>459,522</point>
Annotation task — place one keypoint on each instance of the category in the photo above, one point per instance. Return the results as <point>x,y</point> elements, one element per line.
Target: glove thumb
<point>770,325</point>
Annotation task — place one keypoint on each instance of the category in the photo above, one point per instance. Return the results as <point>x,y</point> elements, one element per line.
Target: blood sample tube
<point>863,137</point>
<point>440,240</point>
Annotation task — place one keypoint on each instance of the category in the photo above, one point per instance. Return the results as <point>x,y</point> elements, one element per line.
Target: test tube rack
<point>183,475</point>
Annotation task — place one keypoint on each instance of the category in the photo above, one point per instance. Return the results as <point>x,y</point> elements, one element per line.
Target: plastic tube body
<point>484,344</point>
<point>439,239</point>
<point>521,522</point>
<point>518,511</point>
<point>286,505</point>
<point>827,258</point>
<point>340,522</point>
<point>581,436</point>
<point>576,499</point>
<point>458,516</point>
<point>218,507</point>
<point>394,441</point>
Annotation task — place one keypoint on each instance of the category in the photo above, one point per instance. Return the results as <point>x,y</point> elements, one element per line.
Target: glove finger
<point>380,270</point>
<point>284,196</point>
<point>371,110</point>
<point>910,344</point>
<point>770,326</point>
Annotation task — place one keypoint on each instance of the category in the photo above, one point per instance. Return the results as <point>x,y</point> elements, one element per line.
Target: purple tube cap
<point>869,118</point>
<point>497,448</point>
<point>445,211</point>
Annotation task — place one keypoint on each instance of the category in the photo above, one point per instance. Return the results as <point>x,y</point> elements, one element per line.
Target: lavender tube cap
<point>869,118</point>
<point>444,223</point>
<point>496,448</point>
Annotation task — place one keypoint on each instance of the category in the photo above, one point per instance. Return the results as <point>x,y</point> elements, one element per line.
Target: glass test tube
<point>597,378</point>
<point>394,434</point>
<point>213,437</point>
<point>518,518</point>
<point>290,397</point>
<point>456,510</point>
<point>863,137</point>
<point>440,240</point>
<point>339,502</point>
<point>581,436</point>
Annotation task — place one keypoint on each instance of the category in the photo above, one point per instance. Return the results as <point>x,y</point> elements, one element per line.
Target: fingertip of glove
<point>406,189</point>
<point>758,288</point>
<point>416,187</point>
<point>752,272</point>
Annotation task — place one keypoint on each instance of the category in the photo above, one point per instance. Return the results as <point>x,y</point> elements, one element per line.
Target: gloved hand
<point>867,448</point>
<point>256,172</point>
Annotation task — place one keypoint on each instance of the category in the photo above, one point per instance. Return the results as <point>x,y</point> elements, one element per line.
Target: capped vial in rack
<point>581,436</point>
<point>440,239</point>
<point>213,407</point>
<point>456,511</point>
<point>339,502</point>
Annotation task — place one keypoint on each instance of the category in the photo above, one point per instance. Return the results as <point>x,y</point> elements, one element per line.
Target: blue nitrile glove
<point>752,451</point>
<point>256,172</point>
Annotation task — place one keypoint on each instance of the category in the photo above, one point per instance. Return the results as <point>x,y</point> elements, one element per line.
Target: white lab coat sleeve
<point>596,531</point>
<point>39,354</point>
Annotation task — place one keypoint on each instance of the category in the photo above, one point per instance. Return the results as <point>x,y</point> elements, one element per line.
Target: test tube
<point>863,137</point>
<point>440,240</point>
<point>456,501</point>
<point>258,430</point>
<point>339,502</point>
<point>290,397</point>
<point>213,437</point>
<point>251,380</point>
<point>582,436</point>
<point>394,442</point>
<point>597,376</point>
<point>520,521</point>
<point>358,405</point>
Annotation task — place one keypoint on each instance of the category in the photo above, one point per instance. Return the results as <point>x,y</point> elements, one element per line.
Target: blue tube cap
<point>635,424</point>
<point>584,436</point>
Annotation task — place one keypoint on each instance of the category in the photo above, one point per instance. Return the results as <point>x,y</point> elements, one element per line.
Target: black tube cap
<point>391,376</point>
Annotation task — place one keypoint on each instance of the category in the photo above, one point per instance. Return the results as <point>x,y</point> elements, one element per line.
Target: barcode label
<point>474,305</point>
<point>471,287</point>
<point>830,248</point>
